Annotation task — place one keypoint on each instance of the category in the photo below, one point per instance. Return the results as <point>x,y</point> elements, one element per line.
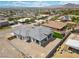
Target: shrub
<point>75,19</point>
<point>57,35</point>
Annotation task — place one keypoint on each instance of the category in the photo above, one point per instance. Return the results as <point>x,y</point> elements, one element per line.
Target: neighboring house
<point>65,18</point>
<point>12,22</point>
<point>4,23</point>
<point>42,15</point>
<point>2,17</point>
<point>38,34</point>
<point>40,21</point>
<point>23,19</point>
<point>55,25</point>
<point>73,41</point>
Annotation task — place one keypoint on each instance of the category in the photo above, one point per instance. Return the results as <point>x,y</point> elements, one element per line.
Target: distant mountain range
<point>69,5</point>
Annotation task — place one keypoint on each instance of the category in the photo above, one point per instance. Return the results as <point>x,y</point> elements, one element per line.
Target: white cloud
<point>31,4</point>
<point>65,2</point>
<point>18,3</point>
<point>41,4</point>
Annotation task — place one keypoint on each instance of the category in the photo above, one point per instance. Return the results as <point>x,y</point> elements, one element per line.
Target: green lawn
<point>57,35</point>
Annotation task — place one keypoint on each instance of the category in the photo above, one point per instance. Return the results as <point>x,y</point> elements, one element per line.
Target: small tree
<point>10,19</point>
<point>27,21</point>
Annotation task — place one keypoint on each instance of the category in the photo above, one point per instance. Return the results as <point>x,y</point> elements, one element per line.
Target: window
<point>49,36</point>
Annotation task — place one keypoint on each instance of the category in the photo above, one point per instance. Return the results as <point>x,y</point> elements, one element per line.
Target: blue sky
<point>34,3</point>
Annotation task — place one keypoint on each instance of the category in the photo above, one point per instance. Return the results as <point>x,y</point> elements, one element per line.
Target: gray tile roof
<point>37,32</point>
<point>66,17</point>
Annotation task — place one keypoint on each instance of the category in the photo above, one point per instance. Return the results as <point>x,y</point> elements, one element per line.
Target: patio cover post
<point>40,43</point>
<point>31,39</point>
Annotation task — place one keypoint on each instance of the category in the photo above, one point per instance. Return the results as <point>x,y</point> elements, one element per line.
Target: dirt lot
<point>6,50</point>
<point>32,49</point>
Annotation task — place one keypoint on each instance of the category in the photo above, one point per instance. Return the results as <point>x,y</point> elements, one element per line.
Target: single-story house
<point>55,24</point>
<point>2,17</point>
<point>40,21</point>
<point>23,19</point>
<point>4,23</point>
<point>65,18</point>
<point>38,34</point>
<point>12,22</point>
<point>73,41</point>
<point>42,15</point>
